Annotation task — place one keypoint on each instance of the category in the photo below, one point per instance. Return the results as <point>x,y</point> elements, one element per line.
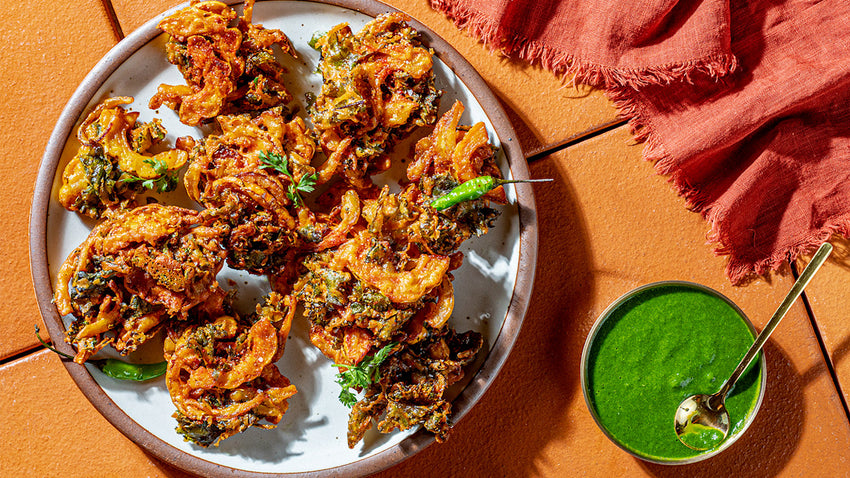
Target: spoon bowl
<point>702,421</point>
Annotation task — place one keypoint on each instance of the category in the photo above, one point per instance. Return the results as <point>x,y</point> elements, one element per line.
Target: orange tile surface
<point>44,65</point>
<point>609,220</point>
<point>50,429</point>
<point>527,93</point>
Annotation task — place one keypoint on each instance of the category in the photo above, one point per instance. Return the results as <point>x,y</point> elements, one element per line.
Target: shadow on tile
<point>529,139</point>
<point>840,252</point>
<point>773,437</point>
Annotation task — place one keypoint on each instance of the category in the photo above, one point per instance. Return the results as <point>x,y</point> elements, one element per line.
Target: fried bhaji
<point>387,279</point>
<point>413,384</point>
<point>136,270</point>
<point>380,286</point>
<point>335,300</point>
<point>228,69</point>
<point>461,152</point>
<point>376,279</point>
<point>378,85</point>
<point>112,165</point>
<point>221,371</point>
<point>449,156</point>
<point>253,175</point>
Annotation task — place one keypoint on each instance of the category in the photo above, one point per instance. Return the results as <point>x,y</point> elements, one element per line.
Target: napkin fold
<point>744,105</point>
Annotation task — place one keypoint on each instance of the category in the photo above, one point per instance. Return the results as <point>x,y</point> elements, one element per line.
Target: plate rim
<point>409,446</point>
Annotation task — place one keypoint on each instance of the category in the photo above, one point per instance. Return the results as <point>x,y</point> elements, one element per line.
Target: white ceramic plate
<point>492,287</point>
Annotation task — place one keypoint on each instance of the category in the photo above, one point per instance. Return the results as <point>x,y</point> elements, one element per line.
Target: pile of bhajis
<point>286,199</point>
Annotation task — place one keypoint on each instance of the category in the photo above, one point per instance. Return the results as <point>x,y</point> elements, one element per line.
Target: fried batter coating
<point>228,69</point>
<point>386,278</point>
<point>459,152</point>
<point>413,384</point>
<point>221,373</point>
<point>136,270</point>
<point>239,148</point>
<point>378,85</point>
<point>336,299</point>
<point>378,286</point>
<point>450,155</point>
<point>401,278</point>
<point>111,165</point>
<point>377,275</point>
<point>231,173</point>
<point>385,266</point>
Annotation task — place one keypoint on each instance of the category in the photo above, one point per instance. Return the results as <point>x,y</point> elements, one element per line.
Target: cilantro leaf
<point>347,398</point>
<point>362,375</point>
<point>275,161</point>
<point>305,185</point>
<point>164,182</point>
<point>280,163</point>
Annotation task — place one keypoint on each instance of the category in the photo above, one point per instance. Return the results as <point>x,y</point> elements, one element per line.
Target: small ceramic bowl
<point>598,334</point>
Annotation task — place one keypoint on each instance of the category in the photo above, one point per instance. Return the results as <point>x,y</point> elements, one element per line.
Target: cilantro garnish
<point>164,182</point>
<point>362,375</point>
<point>281,164</point>
<point>276,162</point>
<point>314,40</point>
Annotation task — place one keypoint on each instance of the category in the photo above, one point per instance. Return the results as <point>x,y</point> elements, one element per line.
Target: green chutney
<point>657,347</point>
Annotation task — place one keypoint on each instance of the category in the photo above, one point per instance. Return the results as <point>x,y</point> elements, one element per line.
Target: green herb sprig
<point>163,183</point>
<point>314,40</point>
<point>362,375</point>
<point>281,164</point>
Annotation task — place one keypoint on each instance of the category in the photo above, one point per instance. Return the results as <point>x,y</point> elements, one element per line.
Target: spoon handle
<point>817,260</point>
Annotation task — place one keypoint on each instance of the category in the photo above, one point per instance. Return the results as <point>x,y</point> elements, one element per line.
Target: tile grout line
<point>543,151</point>
<point>829,365</point>
<point>113,19</point>
<point>20,355</point>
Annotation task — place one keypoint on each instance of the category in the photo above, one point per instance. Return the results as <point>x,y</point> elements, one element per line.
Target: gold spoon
<point>702,421</point>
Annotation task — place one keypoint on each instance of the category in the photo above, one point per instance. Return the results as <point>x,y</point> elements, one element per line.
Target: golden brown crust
<point>136,269</point>
<point>368,266</point>
<point>112,164</point>
<point>221,374</point>
<point>228,68</point>
<point>378,85</point>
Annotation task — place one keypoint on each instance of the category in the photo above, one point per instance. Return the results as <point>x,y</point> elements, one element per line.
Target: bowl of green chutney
<point>657,345</point>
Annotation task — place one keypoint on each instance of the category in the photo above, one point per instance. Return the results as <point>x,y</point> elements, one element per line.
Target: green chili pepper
<point>115,368</point>
<point>474,189</point>
<point>130,371</point>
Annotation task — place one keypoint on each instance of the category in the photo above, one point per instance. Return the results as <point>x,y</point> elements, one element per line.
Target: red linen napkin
<point>746,106</point>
